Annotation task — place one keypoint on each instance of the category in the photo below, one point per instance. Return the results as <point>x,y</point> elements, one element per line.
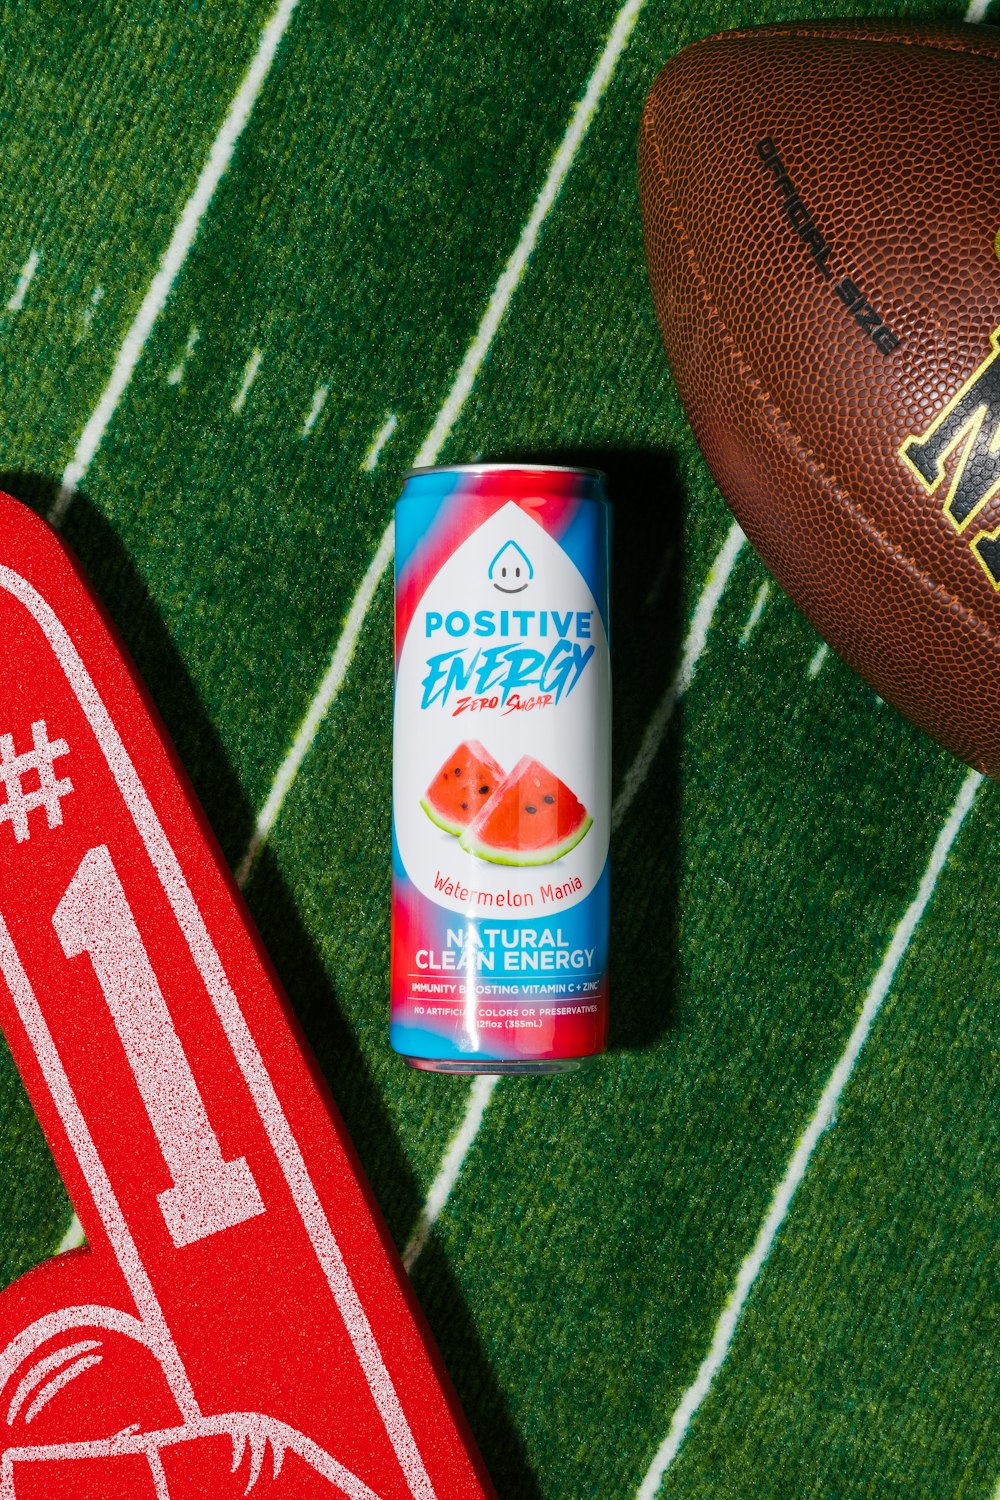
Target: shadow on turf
<point>127,601</point>
<point>647,636</point>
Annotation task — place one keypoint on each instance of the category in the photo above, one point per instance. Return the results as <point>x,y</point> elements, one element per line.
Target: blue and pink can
<point>501,769</point>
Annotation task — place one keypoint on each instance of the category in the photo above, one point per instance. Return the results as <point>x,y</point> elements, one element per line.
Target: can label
<point>501,767</point>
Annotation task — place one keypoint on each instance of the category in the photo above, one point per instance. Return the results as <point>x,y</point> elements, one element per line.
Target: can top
<point>512,467</point>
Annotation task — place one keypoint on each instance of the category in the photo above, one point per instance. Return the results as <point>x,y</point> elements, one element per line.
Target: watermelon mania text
<point>506,669</point>
<point>492,949</point>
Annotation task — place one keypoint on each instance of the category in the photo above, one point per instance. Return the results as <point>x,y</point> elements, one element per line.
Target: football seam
<point>790,439</point>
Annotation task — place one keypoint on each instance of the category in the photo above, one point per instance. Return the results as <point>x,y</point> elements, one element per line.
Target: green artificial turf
<point>581,1264</point>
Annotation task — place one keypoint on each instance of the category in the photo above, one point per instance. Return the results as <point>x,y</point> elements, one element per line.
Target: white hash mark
<point>249,376</point>
<point>87,317</point>
<point>758,609</point>
<point>49,791</point>
<point>383,435</point>
<point>819,660</point>
<point>24,280</point>
<point>318,402</point>
<point>176,375</point>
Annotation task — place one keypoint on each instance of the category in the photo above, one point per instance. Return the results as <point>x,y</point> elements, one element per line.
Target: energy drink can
<point>501,769</point>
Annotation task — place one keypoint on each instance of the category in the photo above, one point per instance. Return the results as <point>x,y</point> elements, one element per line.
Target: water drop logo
<point>511,570</point>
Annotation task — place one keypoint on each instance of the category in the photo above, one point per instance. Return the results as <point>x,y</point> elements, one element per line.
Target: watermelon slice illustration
<point>531,819</point>
<point>462,787</point>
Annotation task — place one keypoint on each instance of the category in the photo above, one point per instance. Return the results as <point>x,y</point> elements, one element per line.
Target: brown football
<point>821,205</point>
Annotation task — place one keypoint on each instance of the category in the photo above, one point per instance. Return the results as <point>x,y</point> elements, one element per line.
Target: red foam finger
<point>238,1322</point>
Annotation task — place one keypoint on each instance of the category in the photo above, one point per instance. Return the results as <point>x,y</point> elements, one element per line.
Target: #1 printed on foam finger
<point>236,1324</point>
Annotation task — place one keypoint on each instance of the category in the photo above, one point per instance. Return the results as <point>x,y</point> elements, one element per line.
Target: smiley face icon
<point>511,570</point>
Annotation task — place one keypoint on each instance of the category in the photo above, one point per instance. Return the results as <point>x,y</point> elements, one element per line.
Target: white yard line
<point>24,280</point>
<point>823,1117</point>
<point>318,402</point>
<point>694,644</point>
<point>173,258</point>
<point>379,441</point>
<point>753,621</point>
<point>176,375</point>
<point>320,706</point>
<point>579,124</point>
<point>456,398</point>
<point>819,660</point>
<point>480,1094</point>
<point>249,376</point>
